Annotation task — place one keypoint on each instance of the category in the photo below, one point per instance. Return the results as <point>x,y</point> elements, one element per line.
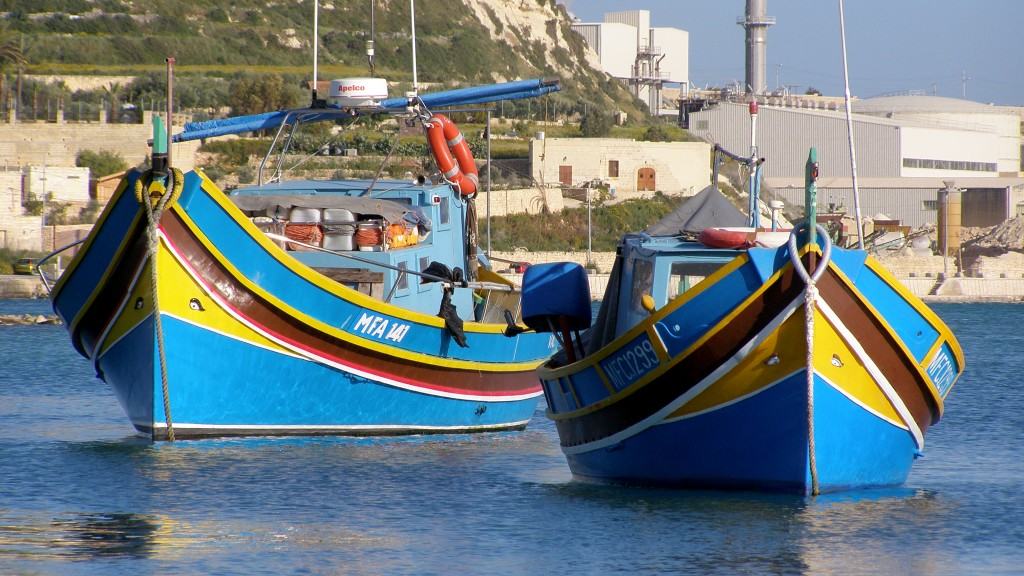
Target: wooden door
<point>565,175</point>
<point>645,181</point>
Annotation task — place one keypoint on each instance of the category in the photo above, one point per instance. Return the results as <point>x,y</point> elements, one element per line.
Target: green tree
<point>255,94</point>
<point>595,124</point>
<point>11,55</point>
<point>657,133</point>
<point>101,163</point>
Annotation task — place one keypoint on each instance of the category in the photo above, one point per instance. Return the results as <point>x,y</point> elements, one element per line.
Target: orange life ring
<point>445,139</point>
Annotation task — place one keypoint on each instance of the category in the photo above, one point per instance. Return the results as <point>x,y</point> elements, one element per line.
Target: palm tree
<point>114,91</point>
<point>10,55</point>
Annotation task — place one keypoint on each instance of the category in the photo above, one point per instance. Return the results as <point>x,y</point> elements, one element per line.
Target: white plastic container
<point>300,215</point>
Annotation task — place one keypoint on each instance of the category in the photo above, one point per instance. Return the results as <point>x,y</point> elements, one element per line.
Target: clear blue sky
<point>892,45</point>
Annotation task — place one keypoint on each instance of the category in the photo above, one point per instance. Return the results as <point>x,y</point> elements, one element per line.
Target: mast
<point>849,132</point>
<point>412,16</point>
<point>316,45</point>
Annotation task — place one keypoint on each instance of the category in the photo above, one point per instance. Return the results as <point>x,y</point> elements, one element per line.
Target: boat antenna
<point>412,13</point>
<point>373,35</point>
<point>316,44</point>
<point>849,131</point>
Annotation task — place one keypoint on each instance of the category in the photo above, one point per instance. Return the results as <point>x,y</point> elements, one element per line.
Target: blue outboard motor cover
<point>552,291</point>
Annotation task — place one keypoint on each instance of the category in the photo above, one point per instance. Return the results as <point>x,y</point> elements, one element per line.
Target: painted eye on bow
<point>195,304</point>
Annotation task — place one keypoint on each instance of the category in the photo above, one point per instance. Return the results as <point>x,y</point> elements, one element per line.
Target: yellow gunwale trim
<point>896,338</point>
<point>604,379</point>
<point>572,389</point>
<point>658,343</point>
<point>335,332</point>
<point>665,367</point>
<point>84,249</point>
<point>114,262</point>
<point>921,308</point>
<point>930,356</point>
<point>650,321</point>
<point>319,280</point>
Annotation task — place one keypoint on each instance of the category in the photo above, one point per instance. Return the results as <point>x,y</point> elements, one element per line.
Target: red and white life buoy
<point>742,238</point>
<point>445,141</point>
<point>727,237</point>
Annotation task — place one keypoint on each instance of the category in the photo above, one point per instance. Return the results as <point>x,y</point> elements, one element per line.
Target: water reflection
<point>83,536</point>
<point>866,531</point>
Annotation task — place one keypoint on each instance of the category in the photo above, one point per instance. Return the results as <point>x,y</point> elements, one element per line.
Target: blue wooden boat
<point>299,307</point>
<point>797,367</point>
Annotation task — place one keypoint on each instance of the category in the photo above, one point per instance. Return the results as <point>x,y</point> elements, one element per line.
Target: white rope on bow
<point>153,214</point>
<point>810,305</point>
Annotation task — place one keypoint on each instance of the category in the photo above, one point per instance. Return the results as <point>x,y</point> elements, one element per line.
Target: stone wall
<point>602,260</point>
<point>521,201</point>
<point>57,144</point>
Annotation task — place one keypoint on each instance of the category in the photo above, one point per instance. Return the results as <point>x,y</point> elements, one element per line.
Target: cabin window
<point>613,168</point>
<point>446,216</point>
<point>643,280</point>
<point>403,278</point>
<point>686,275</point>
<point>424,263</point>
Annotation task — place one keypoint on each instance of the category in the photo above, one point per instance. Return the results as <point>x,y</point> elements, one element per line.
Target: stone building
<point>682,168</point>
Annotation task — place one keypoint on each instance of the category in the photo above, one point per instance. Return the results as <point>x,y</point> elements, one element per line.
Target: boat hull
<point>760,443</point>
<point>751,381</point>
<point>254,343</point>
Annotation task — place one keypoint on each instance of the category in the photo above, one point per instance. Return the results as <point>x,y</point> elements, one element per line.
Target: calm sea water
<point>79,493</point>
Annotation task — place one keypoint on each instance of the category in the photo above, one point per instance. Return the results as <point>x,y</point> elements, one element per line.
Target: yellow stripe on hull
<point>757,370</point>
<point>840,366</point>
<point>177,289</point>
<point>784,352</point>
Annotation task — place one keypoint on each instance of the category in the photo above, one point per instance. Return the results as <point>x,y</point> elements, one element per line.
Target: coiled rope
<point>149,193</point>
<point>810,296</point>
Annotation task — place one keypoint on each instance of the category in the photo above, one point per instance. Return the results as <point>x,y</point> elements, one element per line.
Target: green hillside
<point>223,38</point>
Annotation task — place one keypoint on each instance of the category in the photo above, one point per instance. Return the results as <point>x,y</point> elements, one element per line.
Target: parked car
<point>25,266</point>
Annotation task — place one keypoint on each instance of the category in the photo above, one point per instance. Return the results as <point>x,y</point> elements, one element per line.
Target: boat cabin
<point>660,268</point>
<point>368,238</point>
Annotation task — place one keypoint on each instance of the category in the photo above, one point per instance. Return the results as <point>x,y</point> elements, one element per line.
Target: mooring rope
<point>145,196</point>
<point>810,298</point>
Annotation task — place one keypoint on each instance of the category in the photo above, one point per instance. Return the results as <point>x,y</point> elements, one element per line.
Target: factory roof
<point>905,182</point>
<point>924,104</point>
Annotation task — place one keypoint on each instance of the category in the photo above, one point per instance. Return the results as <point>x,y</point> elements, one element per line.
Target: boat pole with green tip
<point>159,157</point>
<point>811,195</point>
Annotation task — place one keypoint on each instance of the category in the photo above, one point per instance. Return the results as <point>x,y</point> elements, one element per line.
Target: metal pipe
<point>493,286</point>
<point>170,106</point>
<point>316,43</point>
<point>488,130</point>
<point>412,17</point>
<point>849,131</point>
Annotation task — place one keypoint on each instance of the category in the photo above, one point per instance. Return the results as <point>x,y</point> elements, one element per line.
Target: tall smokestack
<point>756,24</point>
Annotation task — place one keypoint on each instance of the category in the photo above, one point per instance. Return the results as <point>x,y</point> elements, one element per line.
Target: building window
<point>701,125</point>
<point>930,205</point>
<point>613,168</point>
<point>964,165</point>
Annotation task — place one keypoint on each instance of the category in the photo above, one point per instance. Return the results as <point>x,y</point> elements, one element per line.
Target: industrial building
<point>913,202</point>
<point>906,147</point>
<point>644,57</point>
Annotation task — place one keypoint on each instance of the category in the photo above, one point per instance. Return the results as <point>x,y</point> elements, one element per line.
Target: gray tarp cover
<point>707,209</point>
<point>392,211</point>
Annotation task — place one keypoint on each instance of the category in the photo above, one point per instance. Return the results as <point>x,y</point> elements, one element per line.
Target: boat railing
<point>45,259</point>
<point>492,286</point>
